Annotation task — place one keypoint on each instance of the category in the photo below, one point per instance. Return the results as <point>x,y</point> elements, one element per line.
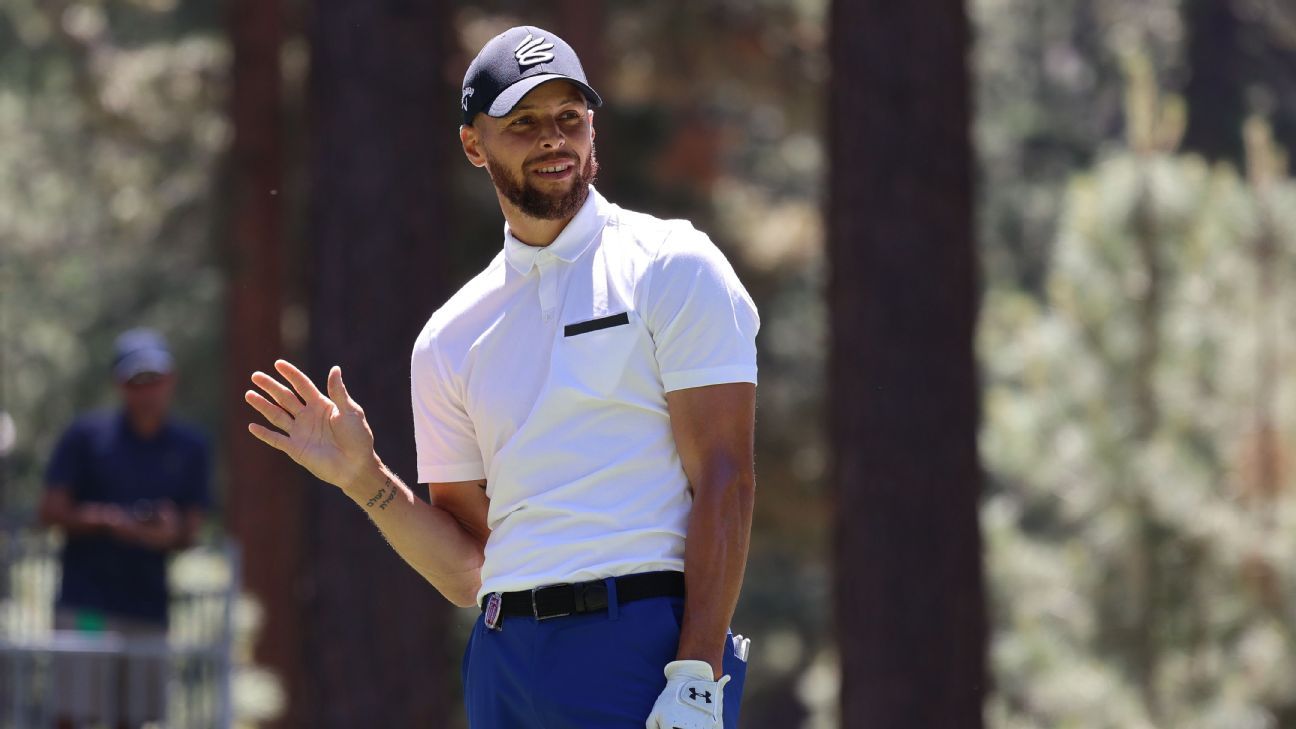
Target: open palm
<point>327,434</point>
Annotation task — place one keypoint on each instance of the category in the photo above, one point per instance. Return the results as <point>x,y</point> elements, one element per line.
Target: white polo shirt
<point>546,375</point>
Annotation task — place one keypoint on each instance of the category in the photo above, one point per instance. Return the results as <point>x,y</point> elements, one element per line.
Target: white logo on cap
<point>468,91</point>
<point>532,51</point>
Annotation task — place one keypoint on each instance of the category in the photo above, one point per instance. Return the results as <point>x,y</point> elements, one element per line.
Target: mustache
<point>554,158</point>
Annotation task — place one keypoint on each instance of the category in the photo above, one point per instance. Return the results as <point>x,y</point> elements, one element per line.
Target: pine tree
<point>1141,523</point>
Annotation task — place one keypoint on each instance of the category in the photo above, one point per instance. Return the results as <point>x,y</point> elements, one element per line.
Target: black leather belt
<point>554,601</point>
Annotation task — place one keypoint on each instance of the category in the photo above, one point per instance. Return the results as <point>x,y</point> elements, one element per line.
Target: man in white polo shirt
<point>584,413</point>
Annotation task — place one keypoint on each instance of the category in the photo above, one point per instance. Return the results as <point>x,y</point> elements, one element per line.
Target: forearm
<point>76,524</point>
<point>428,538</point>
<point>148,536</point>
<point>76,519</point>
<point>715,556</point>
<point>330,436</point>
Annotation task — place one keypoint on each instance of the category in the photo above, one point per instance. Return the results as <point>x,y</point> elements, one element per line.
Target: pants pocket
<point>737,670</point>
<point>467,654</point>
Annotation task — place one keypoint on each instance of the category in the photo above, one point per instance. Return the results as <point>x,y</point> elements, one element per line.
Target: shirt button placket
<point>548,285</point>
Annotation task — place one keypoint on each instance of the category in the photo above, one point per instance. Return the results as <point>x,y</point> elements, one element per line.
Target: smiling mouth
<point>555,170</point>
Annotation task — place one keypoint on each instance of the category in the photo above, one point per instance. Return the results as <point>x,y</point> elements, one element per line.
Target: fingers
<point>337,390</point>
<point>300,382</point>
<point>271,412</point>
<point>282,395</point>
<point>272,438</point>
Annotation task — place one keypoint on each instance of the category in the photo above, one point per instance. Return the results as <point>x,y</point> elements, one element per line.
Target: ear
<point>591,123</point>
<point>470,138</point>
<point>168,384</point>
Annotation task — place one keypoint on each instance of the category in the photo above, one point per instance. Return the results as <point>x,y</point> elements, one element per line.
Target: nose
<point>551,135</point>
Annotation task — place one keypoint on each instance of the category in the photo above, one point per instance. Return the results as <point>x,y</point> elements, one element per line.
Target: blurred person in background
<point>126,487</point>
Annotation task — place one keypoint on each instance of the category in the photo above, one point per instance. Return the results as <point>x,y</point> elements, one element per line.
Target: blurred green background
<point>1135,223</point>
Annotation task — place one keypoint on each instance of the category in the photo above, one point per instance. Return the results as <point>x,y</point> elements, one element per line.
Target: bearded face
<point>526,194</point>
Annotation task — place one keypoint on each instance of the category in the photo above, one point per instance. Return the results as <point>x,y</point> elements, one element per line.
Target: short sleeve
<point>703,321</point>
<point>444,437</point>
<point>68,463</point>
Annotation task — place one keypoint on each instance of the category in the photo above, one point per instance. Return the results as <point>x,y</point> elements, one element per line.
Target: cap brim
<point>509,97</point>
<point>149,361</point>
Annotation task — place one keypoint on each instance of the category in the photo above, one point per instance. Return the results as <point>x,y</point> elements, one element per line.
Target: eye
<point>520,121</point>
<point>572,115</point>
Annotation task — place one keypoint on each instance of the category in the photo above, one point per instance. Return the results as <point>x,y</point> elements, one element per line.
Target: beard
<point>545,205</point>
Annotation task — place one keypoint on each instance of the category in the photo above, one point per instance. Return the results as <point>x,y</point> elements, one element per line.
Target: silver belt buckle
<point>535,609</point>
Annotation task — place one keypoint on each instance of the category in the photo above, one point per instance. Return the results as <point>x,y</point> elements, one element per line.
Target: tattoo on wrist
<point>384,497</point>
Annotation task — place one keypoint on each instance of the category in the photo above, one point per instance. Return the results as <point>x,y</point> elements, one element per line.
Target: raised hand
<point>328,435</point>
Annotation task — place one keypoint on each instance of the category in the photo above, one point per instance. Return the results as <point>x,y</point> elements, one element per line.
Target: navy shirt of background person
<point>126,487</point>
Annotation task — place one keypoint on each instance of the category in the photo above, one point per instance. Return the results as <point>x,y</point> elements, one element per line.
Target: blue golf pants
<point>600,670</point>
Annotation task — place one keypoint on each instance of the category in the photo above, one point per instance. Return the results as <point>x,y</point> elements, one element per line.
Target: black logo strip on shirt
<point>593,325</point>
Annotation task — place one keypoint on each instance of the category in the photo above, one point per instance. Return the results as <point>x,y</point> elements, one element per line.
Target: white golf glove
<point>691,700</point>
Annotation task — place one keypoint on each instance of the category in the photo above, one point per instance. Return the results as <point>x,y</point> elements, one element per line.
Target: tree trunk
<point>264,488</point>
<point>903,296</point>
<point>384,122</point>
<point>1216,101</point>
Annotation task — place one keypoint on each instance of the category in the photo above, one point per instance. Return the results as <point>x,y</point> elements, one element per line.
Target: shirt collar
<point>570,243</point>
<point>124,426</point>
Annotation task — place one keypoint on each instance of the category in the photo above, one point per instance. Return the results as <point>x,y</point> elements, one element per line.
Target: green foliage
<point>109,134</point>
<point>1141,520</point>
<point>1048,97</point>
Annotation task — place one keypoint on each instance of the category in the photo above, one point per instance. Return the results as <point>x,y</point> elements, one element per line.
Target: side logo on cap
<point>533,50</point>
<point>463,101</point>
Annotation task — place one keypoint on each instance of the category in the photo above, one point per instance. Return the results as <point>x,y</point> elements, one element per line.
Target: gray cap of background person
<point>514,62</point>
<point>141,351</point>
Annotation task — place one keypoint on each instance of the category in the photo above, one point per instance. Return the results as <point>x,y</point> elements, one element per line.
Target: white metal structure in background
<point>196,652</point>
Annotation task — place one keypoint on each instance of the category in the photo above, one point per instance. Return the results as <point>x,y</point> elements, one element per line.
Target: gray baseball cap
<point>141,351</point>
<point>514,62</point>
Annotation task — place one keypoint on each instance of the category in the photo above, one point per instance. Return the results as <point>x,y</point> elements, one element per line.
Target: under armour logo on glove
<point>532,51</point>
<point>691,699</point>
